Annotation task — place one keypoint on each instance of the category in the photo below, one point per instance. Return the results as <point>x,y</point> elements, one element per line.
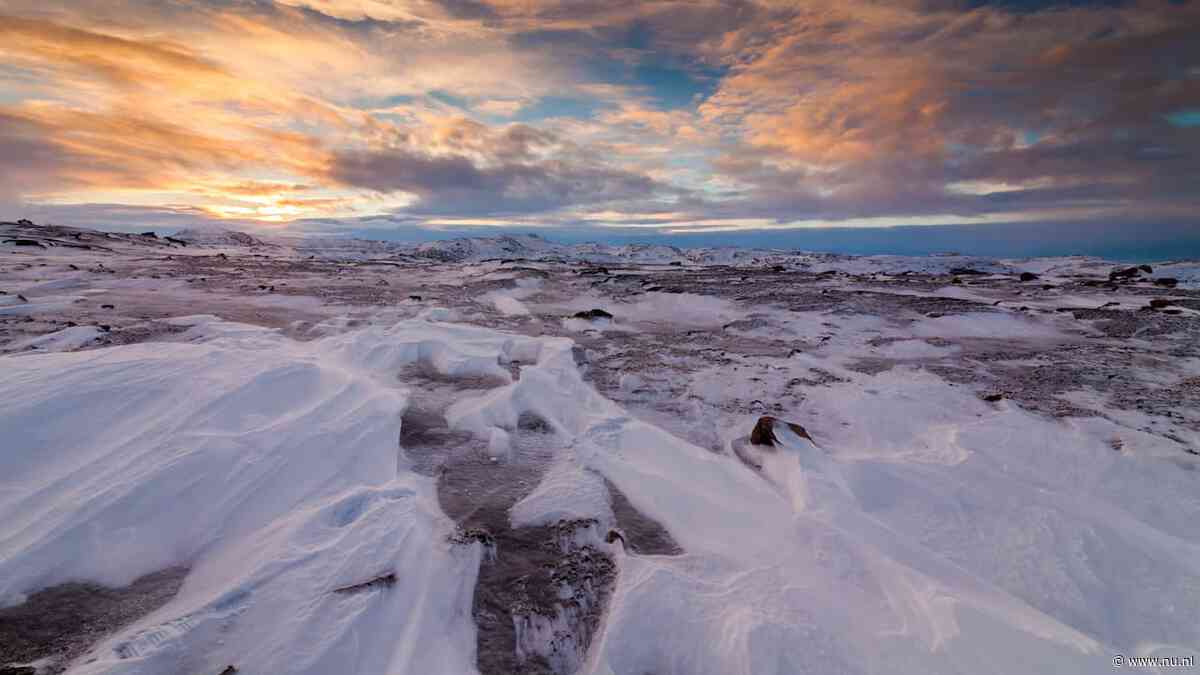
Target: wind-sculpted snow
<point>925,531</point>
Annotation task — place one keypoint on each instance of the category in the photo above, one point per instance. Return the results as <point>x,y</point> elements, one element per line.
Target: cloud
<point>666,114</point>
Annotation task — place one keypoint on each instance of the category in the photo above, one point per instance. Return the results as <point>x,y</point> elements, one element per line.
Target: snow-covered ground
<point>423,461</point>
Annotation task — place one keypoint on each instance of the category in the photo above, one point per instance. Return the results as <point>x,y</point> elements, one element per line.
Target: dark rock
<point>74,267</point>
<point>675,263</point>
<point>1046,287</point>
<point>1126,273</point>
<point>764,431</point>
<point>1028,276</point>
<point>1168,282</point>
<point>17,670</point>
<point>528,421</point>
<point>108,306</point>
<point>173,240</point>
<point>1146,268</point>
<point>593,314</point>
<point>150,234</point>
<point>1172,311</point>
<point>25,242</point>
<point>778,268</point>
<point>22,298</point>
<point>229,670</point>
<point>956,280</point>
<point>965,271</point>
<point>612,536</point>
<point>26,222</point>
<point>992,398</point>
<point>1159,303</point>
<point>594,270</point>
<point>382,581</point>
<point>415,297</point>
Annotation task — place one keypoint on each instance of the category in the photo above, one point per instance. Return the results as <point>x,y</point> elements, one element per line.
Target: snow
<point>985,325</point>
<point>921,529</point>
<point>566,492</point>
<point>65,340</point>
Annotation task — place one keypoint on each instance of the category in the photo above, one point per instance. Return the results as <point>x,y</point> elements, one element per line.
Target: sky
<point>618,119</point>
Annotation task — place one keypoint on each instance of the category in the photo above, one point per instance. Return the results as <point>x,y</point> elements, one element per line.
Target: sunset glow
<point>676,116</point>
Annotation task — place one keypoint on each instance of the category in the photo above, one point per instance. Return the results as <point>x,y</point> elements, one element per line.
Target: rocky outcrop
<point>593,314</point>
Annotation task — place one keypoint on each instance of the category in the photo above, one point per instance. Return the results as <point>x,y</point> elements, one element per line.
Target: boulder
<point>1146,268</point>
<point>1159,303</point>
<point>1126,273</point>
<point>1168,282</point>
<point>1028,276</point>
<point>764,431</point>
<point>593,314</point>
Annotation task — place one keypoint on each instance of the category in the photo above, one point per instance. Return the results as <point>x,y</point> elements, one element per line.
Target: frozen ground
<point>318,456</point>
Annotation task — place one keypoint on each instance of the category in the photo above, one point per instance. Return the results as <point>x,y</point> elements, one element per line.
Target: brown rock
<point>764,431</point>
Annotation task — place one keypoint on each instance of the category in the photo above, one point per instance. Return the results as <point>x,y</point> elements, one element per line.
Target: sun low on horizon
<point>702,116</point>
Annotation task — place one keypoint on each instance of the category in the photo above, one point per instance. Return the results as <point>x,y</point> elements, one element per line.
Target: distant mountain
<point>219,237</point>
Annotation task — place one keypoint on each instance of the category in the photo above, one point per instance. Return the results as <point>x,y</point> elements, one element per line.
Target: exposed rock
<point>1126,273</point>
<point>992,398</point>
<point>382,581</point>
<point>416,298</point>
<point>1159,303</point>
<point>61,622</point>
<point>25,242</point>
<point>593,314</point>
<point>1028,276</point>
<point>965,271</point>
<point>229,670</point>
<point>1168,282</point>
<point>764,431</point>
<point>108,306</point>
<point>150,234</point>
<point>26,222</point>
<point>1146,268</point>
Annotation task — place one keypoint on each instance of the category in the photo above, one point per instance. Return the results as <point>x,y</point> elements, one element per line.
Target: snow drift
<point>952,536</point>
